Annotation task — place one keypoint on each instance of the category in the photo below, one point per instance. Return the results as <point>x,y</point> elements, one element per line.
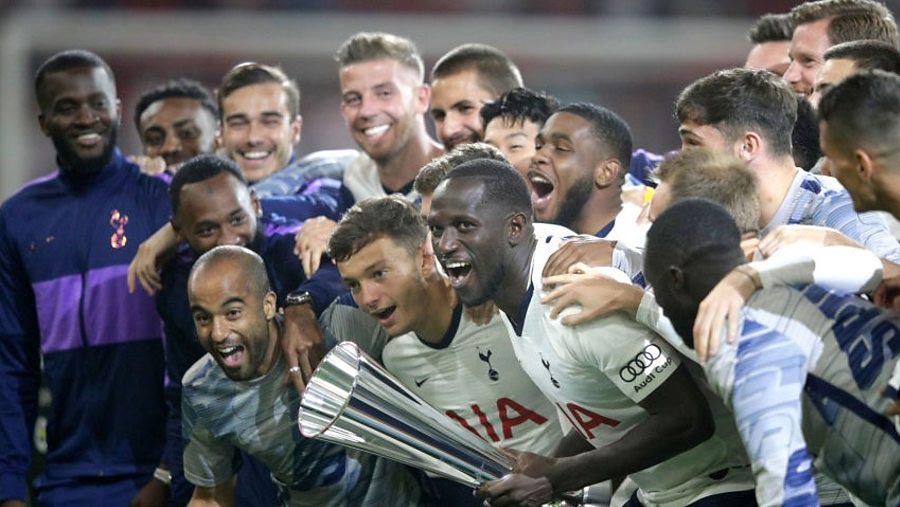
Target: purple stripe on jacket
<point>113,315</point>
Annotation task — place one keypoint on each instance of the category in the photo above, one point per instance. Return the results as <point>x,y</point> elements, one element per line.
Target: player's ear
<point>517,228</point>
<point>270,305</point>
<point>677,276</point>
<point>425,257</point>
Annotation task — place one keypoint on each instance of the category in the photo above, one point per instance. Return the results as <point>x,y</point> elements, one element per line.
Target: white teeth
<point>255,155</point>
<point>376,131</point>
<point>89,138</point>
<point>456,264</point>
<point>227,350</point>
<point>539,179</point>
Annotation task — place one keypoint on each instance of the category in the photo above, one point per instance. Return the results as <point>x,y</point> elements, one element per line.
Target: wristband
<point>162,475</point>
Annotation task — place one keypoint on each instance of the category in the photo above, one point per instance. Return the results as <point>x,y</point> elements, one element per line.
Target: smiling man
<point>212,205</point>
<point>512,122</point>
<point>462,82</point>
<point>176,121</point>
<point>824,23</point>
<point>65,243</point>
<point>634,409</point>
<point>235,398</point>
<point>383,100</point>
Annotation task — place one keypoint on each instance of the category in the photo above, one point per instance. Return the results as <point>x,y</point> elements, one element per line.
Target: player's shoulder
<point>201,374</point>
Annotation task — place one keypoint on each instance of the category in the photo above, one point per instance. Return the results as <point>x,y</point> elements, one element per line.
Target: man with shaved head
<point>235,398</point>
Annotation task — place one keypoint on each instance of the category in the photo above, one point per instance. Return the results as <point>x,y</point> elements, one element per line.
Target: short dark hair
<point>496,72</point>
<point>805,136</point>
<point>367,46</point>
<point>175,88</point>
<point>200,168</point>
<point>504,187</point>
<point>723,179</point>
<point>252,73</point>
<point>867,55</point>
<point>863,111</point>
<point>518,105</point>
<point>432,173</point>
<point>850,19</point>
<point>391,216</point>
<point>247,261</point>
<point>737,100</point>
<point>608,128</point>
<point>67,60</point>
<point>771,28</point>
<point>691,234</point>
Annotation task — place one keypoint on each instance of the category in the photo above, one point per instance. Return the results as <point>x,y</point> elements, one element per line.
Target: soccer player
<point>804,377</point>
<point>465,370</point>
<point>512,122</point>
<point>633,408</point>
<point>235,398</point>
<point>771,39</point>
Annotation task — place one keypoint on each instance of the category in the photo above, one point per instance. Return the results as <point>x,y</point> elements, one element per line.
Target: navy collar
<point>606,229</point>
<point>447,339</point>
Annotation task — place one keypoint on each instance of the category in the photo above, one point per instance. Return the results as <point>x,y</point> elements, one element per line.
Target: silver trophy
<point>352,401</point>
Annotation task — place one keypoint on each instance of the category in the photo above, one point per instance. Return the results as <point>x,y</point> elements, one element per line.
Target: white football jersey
<point>596,374</point>
<point>473,377</point>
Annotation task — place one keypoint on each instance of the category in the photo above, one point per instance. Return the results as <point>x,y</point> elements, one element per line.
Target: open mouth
<point>231,355</point>
<point>385,313</point>
<point>457,271</point>
<point>542,186</point>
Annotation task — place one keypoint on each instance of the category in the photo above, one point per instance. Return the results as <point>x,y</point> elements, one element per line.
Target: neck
<point>401,168</point>
<point>598,211</point>
<point>774,178</point>
<point>515,282</point>
<point>887,191</point>
<point>273,354</point>
<point>440,300</point>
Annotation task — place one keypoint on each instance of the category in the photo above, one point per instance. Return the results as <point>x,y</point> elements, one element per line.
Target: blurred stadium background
<point>633,56</point>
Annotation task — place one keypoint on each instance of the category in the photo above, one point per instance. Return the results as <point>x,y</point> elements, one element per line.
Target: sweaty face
<point>381,101</point>
<point>771,56</point>
<point>468,239</point>
<point>217,211</point>
<point>561,174</point>
<point>514,139</point>
<point>232,322</point>
<point>177,129</point>
<point>808,46</point>
<point>386,282</point>
<point>258,132</point>
<point>456,102</point>
<point>832,72</point>
<point>80,114</point>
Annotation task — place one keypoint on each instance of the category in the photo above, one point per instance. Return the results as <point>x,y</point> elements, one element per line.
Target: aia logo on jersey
<point>547,367</point>
<point>118,221</point>
<point>493,374</point>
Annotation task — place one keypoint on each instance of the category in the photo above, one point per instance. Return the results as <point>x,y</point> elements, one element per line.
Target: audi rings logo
<point>637,366</point>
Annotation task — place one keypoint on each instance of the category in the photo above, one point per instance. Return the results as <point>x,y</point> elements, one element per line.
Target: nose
<point>540,155</point>
<point>254,132</point>
<point>451,125</point>
<point>367,107</point>
<point>85,115</point>
<point>229,236</point>
<point>219,329</point>
<point>367,297</point>
<point>446,243</point>
<point>172,144</point>
<point>792,74</point>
